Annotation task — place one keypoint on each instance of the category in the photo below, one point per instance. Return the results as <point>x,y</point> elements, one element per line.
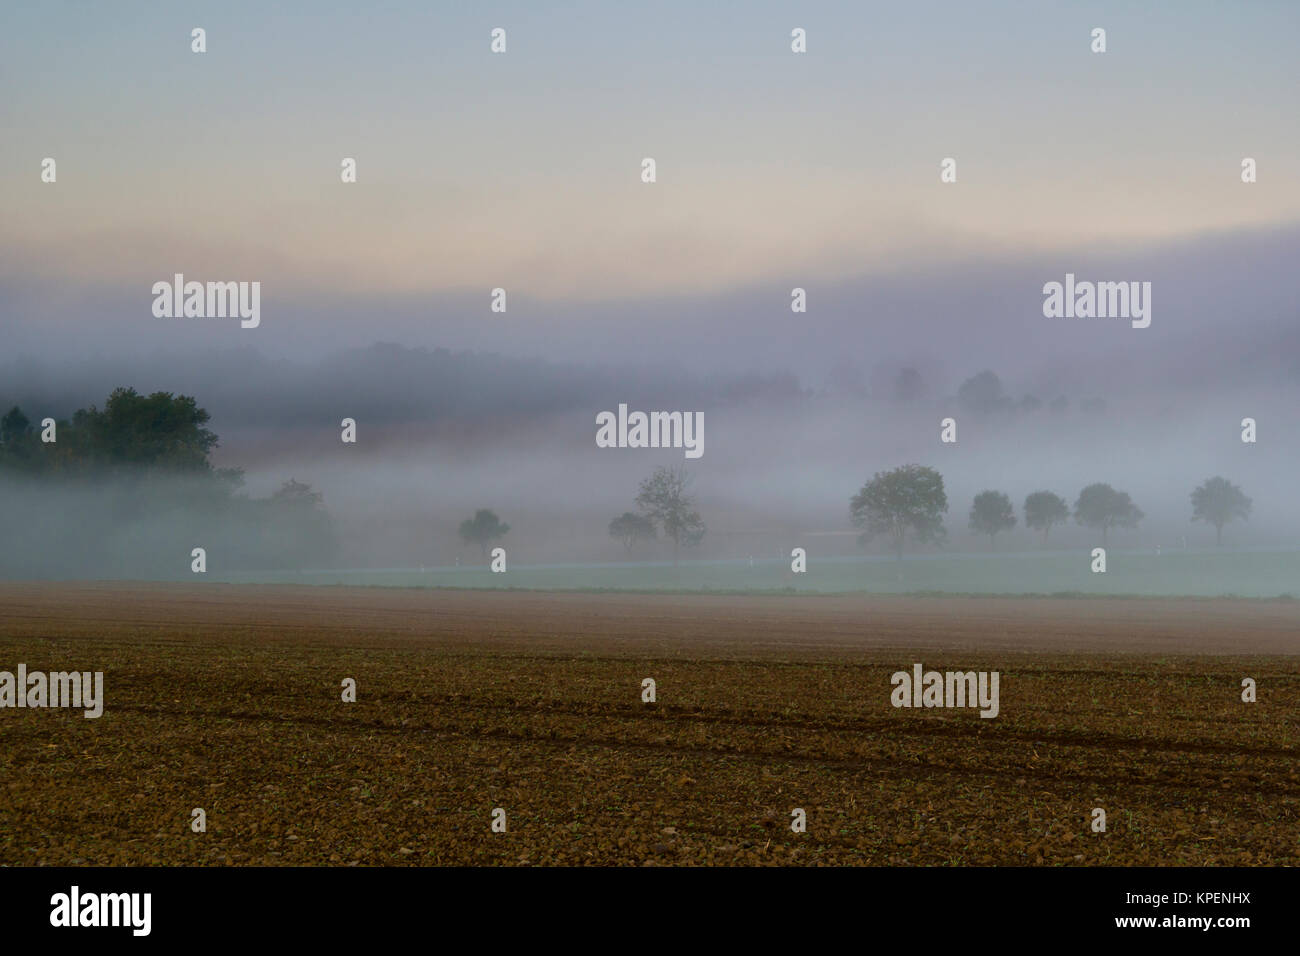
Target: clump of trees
<point>133,433</point>
<point>984,395</point>
<point>663,502</point>
<point>131,488</point>
<point>906,501</point>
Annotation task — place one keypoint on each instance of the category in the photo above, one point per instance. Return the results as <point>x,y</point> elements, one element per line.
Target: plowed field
<point>228,698</point>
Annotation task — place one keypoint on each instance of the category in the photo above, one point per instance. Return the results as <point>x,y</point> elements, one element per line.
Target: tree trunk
<point>1218,535</point>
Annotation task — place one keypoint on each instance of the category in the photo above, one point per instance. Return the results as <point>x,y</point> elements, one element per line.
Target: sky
<point>522,170</point>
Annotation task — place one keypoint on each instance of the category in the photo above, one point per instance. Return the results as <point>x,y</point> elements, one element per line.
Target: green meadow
<point>1255,574</point>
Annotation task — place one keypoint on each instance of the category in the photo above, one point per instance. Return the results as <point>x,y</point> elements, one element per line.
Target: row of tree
<point>149,457</point>
<point>1098,506</point>
<point>911,501</point>
<point>982,394</point>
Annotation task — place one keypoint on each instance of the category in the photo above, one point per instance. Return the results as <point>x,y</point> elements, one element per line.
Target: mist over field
<point>445,431</point>
<point>817,170</point>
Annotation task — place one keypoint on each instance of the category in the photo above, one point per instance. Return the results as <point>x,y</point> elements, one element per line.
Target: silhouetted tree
<point>1044,509</point>
<point>663,499</point>
<point>991,512</point>
<point>1218,501</point>
<point>907,499</point>
<point>1101,506</point>
<point>482,529</point>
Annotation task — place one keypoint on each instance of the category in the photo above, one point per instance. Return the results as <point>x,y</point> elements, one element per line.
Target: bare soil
<point>229,698</point>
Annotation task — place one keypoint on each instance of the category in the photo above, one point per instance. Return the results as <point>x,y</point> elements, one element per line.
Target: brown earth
<point>228,698</point>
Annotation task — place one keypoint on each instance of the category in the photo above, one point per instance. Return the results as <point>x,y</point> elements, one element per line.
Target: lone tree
<point>1219,501</point>
<point>298,527</point>
<point>1044,509</point>
<point>1101,506</point>
<point>910,498</point>
<point>663,499</point>
<point>990,513</point>
<point>632,529</point>
<point>482,529</point>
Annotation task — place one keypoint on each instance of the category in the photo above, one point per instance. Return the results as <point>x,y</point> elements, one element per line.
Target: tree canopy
<point>991,512</point>
<point>1044,509</point>
<point>132,433</point>
<point>663,499</point>
<point>906,500</point>
<point>1101,506</point>
<point>482,529</point>
<point>1218,501</point>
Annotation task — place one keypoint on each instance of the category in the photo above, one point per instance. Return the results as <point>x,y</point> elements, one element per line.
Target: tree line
<point>149,456</point>
<point>910,501</point>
